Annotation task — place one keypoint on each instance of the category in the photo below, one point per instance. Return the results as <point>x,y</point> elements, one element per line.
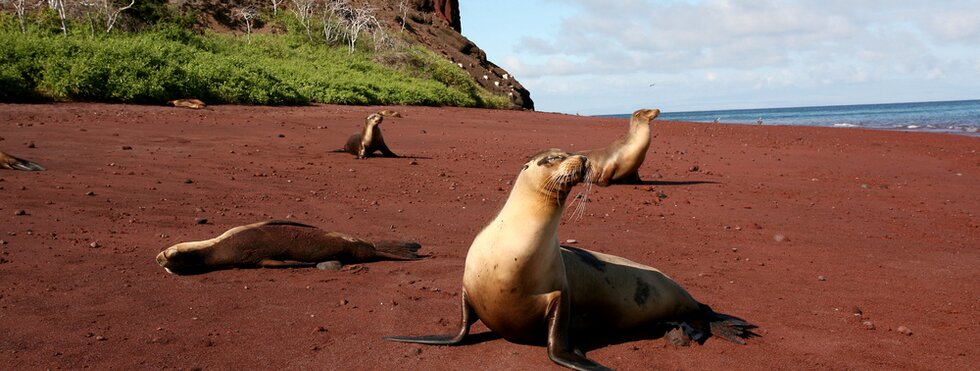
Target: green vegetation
<point>168,61</point>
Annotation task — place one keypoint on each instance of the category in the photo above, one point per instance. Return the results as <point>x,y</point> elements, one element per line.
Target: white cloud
<point>727,46</point>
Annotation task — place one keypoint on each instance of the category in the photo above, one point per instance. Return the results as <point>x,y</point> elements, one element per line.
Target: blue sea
<point>957,117</point>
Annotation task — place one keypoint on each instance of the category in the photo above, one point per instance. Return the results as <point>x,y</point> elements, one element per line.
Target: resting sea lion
<point>278,244</point>
<point>619,162</point>
<point>187,103</point>
<point>525,287</point>
<point>369,140</point>
<point>14,163</point>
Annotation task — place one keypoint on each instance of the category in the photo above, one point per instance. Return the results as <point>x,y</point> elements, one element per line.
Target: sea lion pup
<point>619,162</point>
<point>525,287</point>
<point>15,163</point>
<point>278,244</point>
<point>370,140</point>
<point>187,103</point>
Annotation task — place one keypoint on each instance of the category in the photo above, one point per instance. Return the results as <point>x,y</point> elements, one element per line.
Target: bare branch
<point>59,6</point>
<point>275,7</point>
<point>248,13</point>
<point>304,12</point>
<point>113,15</point>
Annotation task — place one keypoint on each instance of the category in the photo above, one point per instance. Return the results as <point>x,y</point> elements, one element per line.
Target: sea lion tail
<point>728,327</point>
<point>398,250</point>
<point>25,165</point>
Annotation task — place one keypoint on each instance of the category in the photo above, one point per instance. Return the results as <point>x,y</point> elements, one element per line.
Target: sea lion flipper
<point>398,250</point>
<point>26,166</point>
<point>468,319</point>
<point>14,163</point>
<point>560,349</point>
<point>728,327</point>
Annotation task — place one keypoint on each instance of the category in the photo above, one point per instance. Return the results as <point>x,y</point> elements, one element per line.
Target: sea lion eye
<point>550,159</point>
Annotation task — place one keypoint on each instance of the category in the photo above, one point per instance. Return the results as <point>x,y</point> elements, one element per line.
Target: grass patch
<point>168,62</point>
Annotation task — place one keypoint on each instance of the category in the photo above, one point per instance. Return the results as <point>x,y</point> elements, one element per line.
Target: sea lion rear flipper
<point>26,166</point>
<point>15,163</point>
<point>468,319</point>
<point>728,327</point>
<point>272,263</point>
<point>398,250</point>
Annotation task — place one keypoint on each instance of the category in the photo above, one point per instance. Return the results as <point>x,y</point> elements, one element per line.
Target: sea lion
<point>370,140</point>
<point>187,103</point>
<point>278,244</point>
<point>619,162</point>
<point>526,287</point>
<point>14,163</point>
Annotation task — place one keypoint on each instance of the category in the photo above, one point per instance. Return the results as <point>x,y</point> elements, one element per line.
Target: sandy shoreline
<point>889,220</point>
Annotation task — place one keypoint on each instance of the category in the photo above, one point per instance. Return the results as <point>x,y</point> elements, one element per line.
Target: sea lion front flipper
<point>469,318</point>
<point>273,263</point>
<point>560,349</point>
<point>633,178</point>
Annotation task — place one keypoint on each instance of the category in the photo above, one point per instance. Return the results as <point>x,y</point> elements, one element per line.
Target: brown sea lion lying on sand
<point>278,244</point>
<point>187,103</point>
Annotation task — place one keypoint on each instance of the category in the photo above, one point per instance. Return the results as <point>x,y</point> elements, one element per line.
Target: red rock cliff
<point>436,24</point>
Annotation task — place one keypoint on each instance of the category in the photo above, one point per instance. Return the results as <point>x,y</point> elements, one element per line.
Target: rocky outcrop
<point>448,10</point>
<point>437,25</point>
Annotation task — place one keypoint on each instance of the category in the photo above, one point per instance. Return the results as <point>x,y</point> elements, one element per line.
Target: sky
<point>610,57</point>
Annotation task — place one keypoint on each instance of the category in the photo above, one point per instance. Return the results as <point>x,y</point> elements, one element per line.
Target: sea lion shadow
<point>386,157</point>
<point>414,157</point>
<point>671,182</point>
<point>473,339</point>
<point>598,341</point>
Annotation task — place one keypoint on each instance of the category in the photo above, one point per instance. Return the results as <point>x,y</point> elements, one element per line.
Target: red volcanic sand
<point>791,228</point>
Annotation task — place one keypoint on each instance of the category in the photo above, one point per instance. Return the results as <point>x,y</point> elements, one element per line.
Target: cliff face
<point>434,23</point>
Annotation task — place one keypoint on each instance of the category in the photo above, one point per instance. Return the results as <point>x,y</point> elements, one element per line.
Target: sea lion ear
<point>525,167</point>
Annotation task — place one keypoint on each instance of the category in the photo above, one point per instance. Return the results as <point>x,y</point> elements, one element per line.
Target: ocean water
<point>958,117</point>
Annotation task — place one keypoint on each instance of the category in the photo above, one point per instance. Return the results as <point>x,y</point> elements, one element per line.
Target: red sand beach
<point>790,228</point>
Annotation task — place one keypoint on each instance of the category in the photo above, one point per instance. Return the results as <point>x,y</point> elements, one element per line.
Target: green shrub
<point>171,61</point>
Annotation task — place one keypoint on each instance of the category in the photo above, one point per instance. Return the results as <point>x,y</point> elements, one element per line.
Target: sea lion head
<point>374,119</point>
<point>553,172</point>
<point>644,115</point>
<point>183,258</point>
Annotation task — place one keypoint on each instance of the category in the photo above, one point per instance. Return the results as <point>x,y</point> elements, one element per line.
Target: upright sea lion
<point>525,287</point>
<point>187,103</point>
<point>369,140</point>
<point>619,162</point>
<point>14,163</point>
<point>278,244</point>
